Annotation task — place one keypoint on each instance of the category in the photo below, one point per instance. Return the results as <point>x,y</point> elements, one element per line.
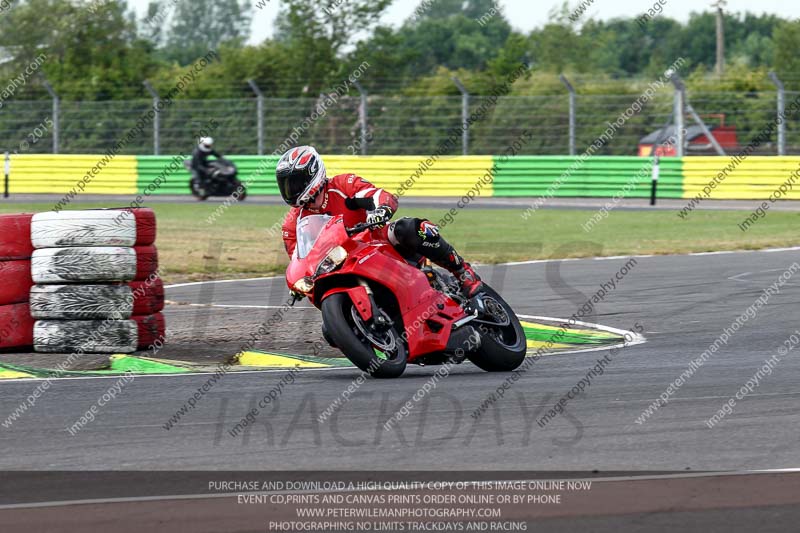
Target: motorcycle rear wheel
<point>340,323</point>
<point>198,191</point>
<point>502,349</point>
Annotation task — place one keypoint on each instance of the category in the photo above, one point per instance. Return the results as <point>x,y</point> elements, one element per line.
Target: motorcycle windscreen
<point>308,231</point>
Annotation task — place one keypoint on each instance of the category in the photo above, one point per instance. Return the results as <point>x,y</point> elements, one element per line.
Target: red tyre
<point>15,237</point>
<point>145,226</point>
<point>152,329</point>
<point>146,261</point>
<point>15,281</point>
<point>148,296</point>
<point>16,326</point>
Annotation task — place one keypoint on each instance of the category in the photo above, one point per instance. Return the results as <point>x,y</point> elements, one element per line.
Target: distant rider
<point>200,155</point>
<point>304,185</point>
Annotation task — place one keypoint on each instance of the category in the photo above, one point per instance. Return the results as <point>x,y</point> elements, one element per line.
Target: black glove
<point>380,214</point>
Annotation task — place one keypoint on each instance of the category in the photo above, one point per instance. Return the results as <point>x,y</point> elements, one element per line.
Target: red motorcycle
<point>383,312</point>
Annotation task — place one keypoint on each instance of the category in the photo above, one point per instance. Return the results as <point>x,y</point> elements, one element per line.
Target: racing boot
<point>469,280</point>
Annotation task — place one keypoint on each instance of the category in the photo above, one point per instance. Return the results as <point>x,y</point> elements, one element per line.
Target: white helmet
<point>206,144</point>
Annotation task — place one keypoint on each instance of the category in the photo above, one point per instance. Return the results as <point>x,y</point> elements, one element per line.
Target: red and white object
<point>88,227</point>
<point>15,237</point>
<point>84,264</point>
<point>148,296</point>
<point>146,261</point>
<point>152,328</point>
<point>15,281</point>
<point>16,326</point>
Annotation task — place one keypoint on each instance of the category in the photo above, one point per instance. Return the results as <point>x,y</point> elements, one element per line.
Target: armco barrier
<point>755,177</point>
<point>598,176</point>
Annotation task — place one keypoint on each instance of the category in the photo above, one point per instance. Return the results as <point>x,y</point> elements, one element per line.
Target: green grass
<point>239,243</point>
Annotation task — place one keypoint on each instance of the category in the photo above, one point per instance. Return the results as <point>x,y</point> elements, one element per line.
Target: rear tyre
<point>198,191</point>
<point>346,329</point>
<point>502,348</point>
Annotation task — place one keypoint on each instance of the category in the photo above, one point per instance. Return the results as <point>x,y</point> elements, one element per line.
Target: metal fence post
<point>464,115</point>
<point>156,118</point>
<point>571,90</point>
<point>56,112</point>
<point>7,165</point>
<point>679,113</point>
<point>362,116</point>
<point>781,113</point>
<point>260,117</point>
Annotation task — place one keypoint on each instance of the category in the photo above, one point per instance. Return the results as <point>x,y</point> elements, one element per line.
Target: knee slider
<point>403,232</point>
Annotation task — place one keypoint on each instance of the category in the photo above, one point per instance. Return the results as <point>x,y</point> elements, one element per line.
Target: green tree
<point>198,26</point>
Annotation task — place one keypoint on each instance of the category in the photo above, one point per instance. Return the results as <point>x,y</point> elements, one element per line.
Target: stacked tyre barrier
<point>95,281</point>
<point>16,323</point>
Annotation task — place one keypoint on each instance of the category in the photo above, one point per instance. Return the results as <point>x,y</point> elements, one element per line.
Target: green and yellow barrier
<point>598,176</point>
<point>59,174</point>
<point>754,178</point>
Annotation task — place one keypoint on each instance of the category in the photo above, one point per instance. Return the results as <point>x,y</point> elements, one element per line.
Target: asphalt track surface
<point>684,303</point>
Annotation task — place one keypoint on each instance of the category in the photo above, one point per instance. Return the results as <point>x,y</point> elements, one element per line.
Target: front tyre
<point>381,353</point>
<point>503,344</point>
<point>239,186</point>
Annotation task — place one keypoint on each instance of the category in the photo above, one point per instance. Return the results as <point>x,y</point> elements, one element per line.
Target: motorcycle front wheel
<point>380,352</point>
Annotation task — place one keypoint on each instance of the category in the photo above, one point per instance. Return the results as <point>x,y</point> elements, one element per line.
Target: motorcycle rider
<point>200,155</point>
<point>305,185</point>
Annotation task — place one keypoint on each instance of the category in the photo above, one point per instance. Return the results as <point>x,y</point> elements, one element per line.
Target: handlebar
<point>358,228</point>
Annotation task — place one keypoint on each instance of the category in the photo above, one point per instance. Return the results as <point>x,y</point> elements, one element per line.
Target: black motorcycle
<point>221,181</point>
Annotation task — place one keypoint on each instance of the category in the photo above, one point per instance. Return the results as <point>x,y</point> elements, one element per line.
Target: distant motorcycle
<point>222,180</point>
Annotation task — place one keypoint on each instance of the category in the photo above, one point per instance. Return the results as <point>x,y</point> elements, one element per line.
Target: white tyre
<point>85,336</point>
<point>81,302</point>
<point>93,227</point>
<point>83,264</point>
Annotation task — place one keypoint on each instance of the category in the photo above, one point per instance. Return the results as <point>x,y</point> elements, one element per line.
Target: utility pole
<point>719,4</point>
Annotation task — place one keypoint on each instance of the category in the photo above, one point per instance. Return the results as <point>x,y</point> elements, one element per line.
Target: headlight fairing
<point>304,285</point>
<point>334,258</point>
